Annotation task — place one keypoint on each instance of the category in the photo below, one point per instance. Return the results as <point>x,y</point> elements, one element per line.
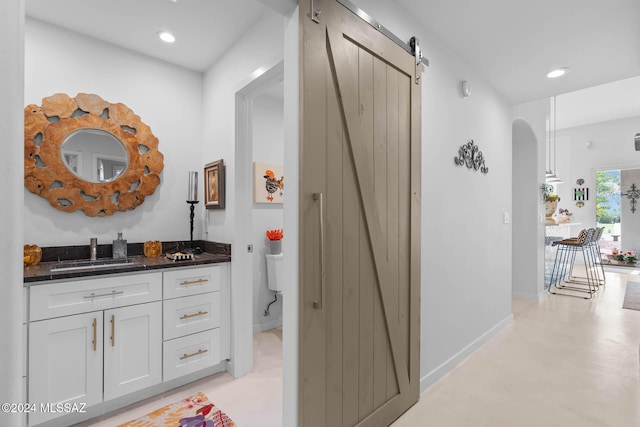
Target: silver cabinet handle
<point>193,282</point>
<point>197,353</point>
<point>113,293</point>
<point>113,330</point>
<point>317,304</point>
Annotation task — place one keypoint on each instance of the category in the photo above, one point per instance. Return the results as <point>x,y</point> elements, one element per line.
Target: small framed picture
<point>214,185</point>
<point>581,194</point>
<point>268,183</point>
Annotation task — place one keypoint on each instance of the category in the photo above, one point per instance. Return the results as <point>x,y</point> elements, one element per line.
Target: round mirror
<point>94,155</point>
<point>89,154</point>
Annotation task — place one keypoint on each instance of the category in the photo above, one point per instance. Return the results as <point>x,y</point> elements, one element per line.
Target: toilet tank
<point>275,272</point>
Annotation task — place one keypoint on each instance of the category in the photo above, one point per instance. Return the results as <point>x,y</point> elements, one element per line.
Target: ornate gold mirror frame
<point>45,173</point>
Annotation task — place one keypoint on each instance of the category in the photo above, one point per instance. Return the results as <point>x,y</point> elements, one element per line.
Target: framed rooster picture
<point>214,185</point>
<point>268,183</point>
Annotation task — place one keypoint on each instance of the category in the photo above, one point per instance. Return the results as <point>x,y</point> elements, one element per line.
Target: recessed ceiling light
<point>557,73</point>
<point>166,36</point>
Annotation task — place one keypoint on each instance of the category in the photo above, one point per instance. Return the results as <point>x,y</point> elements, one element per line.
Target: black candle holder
<point>192,214</point>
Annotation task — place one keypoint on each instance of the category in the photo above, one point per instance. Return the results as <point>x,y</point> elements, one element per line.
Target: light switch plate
<point>505,217</point>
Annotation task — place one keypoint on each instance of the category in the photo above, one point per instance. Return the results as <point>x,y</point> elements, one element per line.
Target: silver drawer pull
<point>197,353</point>
<point>189,316</point>
<point>104,295</point>
<point>193,282</point>
<point>113,330</point>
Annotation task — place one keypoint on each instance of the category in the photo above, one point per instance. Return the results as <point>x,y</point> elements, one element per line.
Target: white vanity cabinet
<point>112,350</point>
<point>94,340</point>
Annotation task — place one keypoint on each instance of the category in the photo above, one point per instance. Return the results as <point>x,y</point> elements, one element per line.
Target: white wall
<point>166,97</point>
<point>12,308</point>
<point>226,84</point>
<point>466,256</point>
<point>237,68</point>
<point>268,147</point>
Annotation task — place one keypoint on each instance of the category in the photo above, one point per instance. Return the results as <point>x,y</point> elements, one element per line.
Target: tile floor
<point>562,362</point>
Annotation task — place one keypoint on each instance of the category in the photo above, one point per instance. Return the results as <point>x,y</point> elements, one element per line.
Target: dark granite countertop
<point>214,253</point>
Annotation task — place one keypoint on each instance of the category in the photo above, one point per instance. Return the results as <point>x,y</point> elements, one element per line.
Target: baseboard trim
<point>529,295</point>
<point>434,376</point>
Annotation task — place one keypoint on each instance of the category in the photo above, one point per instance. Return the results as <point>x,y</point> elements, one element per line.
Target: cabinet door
<point>65,362</point>
<point>132,348</point>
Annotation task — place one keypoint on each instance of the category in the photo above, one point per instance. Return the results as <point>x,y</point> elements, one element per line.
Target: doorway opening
<point>259,139</point>
<point>267,122</point>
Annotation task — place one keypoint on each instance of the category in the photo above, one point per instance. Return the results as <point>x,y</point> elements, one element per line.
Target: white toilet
<point>275,272</point>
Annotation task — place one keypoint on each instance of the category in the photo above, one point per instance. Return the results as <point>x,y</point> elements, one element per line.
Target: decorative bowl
<point>32,255</point>
<point>153,248</point>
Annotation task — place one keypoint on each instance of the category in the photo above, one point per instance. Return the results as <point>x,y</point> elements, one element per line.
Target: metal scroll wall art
<point>470,155</point>
<point>633,194</point>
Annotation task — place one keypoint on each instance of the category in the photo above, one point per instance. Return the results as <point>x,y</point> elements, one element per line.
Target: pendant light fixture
<point>550,174</point>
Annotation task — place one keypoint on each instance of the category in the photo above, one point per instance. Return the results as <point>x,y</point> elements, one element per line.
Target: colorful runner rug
<point>194,411</point>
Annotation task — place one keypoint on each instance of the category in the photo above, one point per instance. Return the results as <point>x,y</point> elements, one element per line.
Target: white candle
<point>193,187</point>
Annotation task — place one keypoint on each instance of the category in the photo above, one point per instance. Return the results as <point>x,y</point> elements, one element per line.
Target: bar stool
<point>595,256</point>
<point>564,261</point>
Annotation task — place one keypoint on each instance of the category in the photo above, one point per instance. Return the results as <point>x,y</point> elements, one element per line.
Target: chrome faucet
<point>93,248</point>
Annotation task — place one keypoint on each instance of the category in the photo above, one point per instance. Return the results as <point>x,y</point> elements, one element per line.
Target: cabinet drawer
<point>180,283</point>
<point>188,315</point>
<point>189,354</point>
<point>82,296</point>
